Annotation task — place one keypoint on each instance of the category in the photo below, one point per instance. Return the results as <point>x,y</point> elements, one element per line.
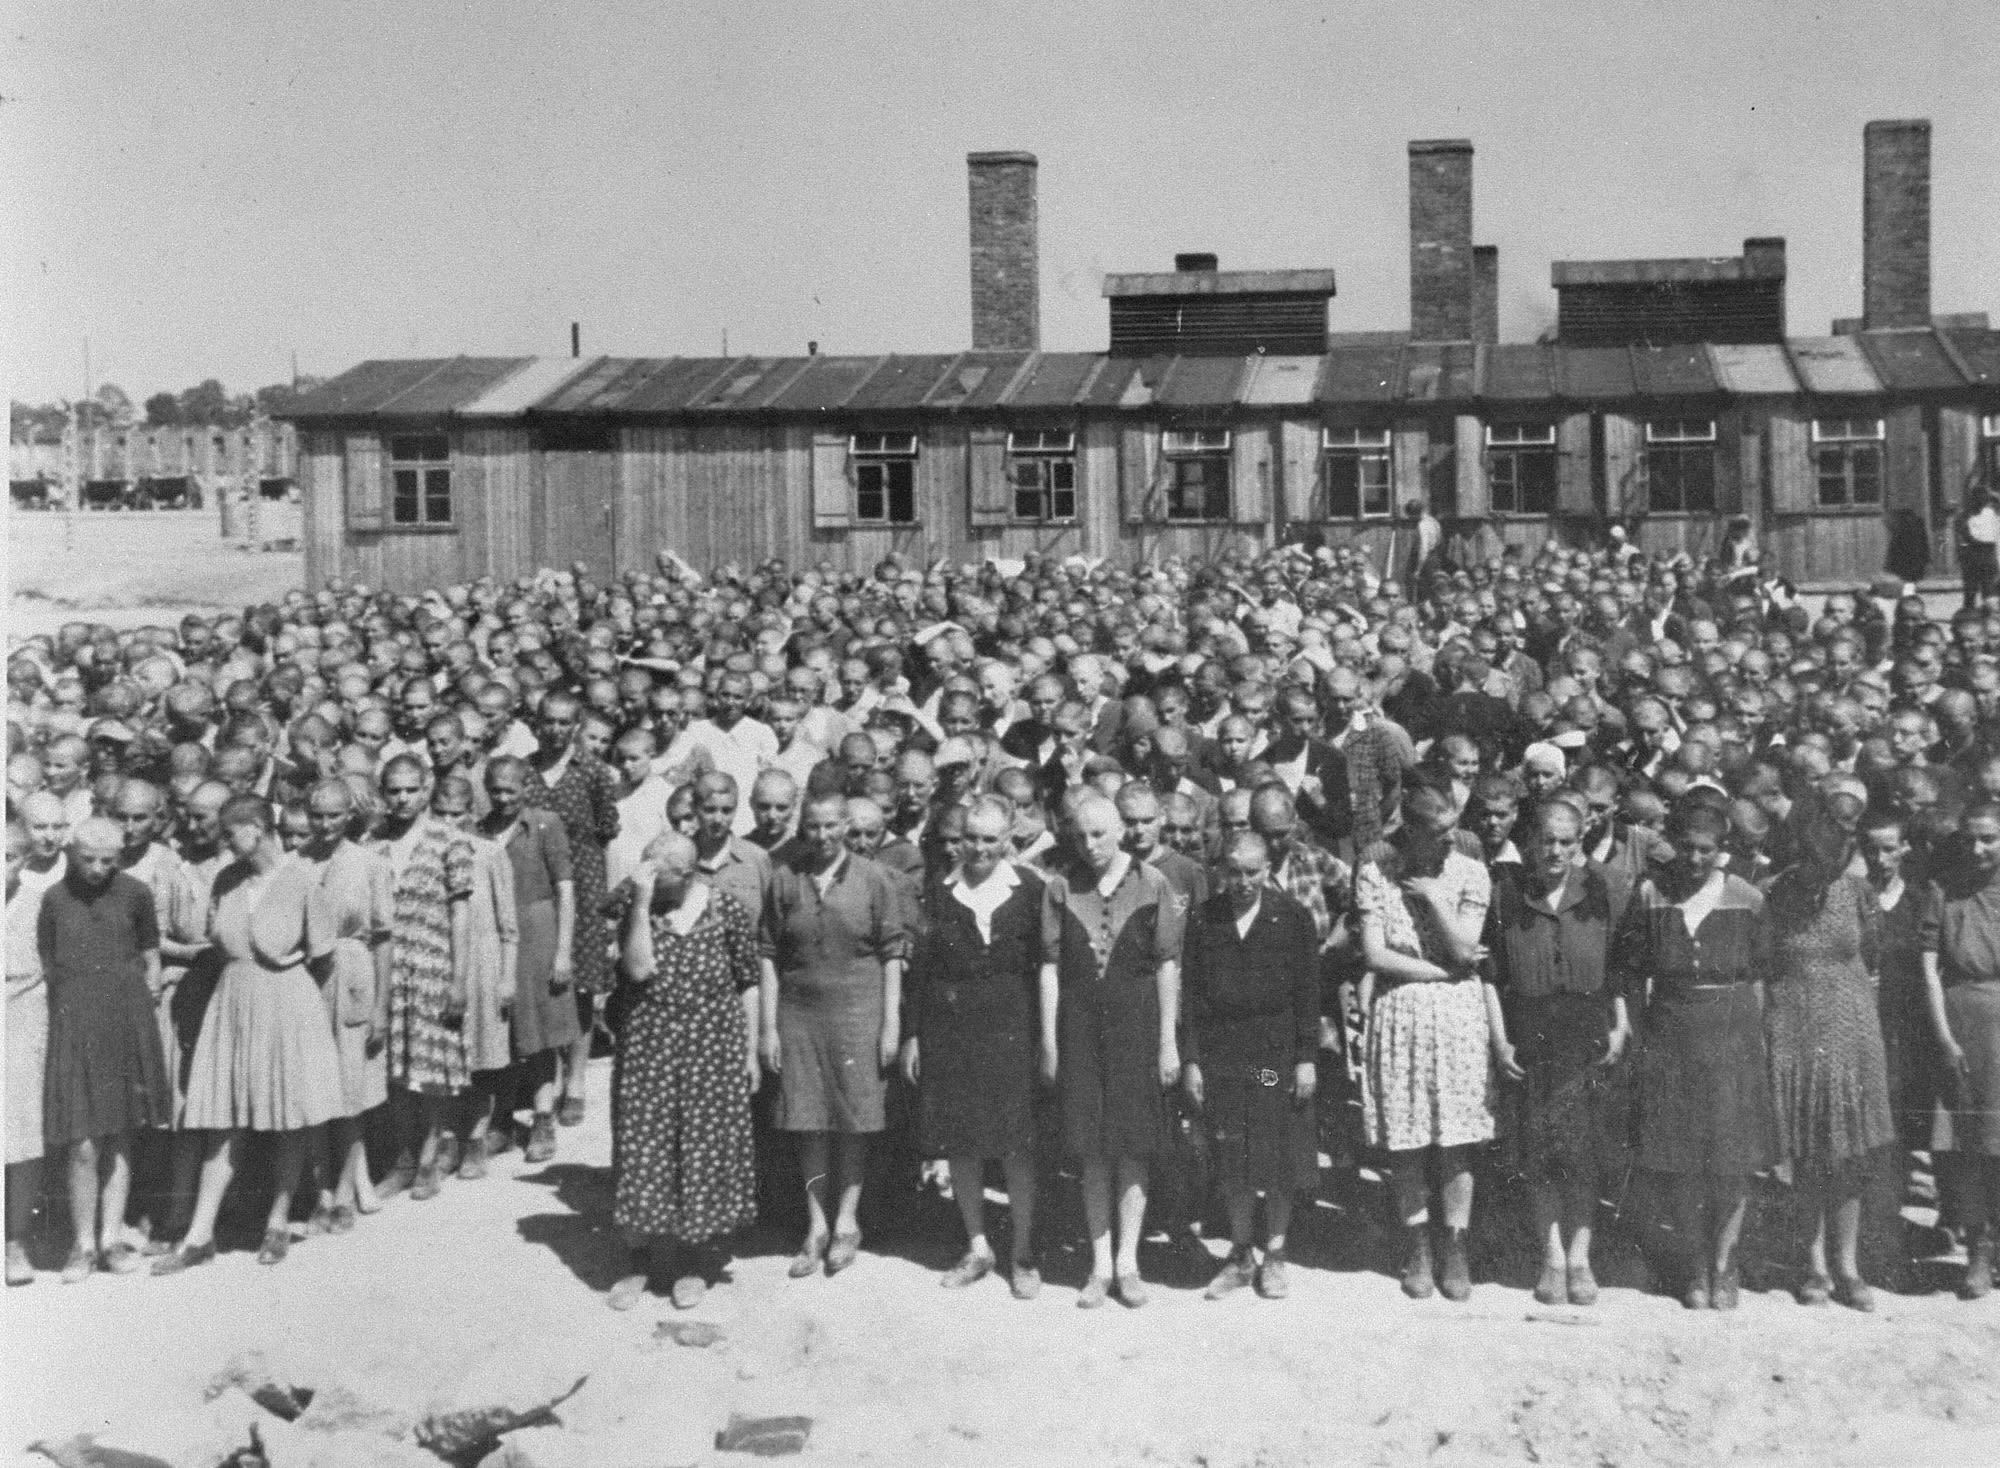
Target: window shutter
<point>1250,476</point>
<point>1303,462</point>
<point>832,489</point>
<point>1624,464</point>
<point>1794,485</point>
<point>1474,502</point>
<point>364,474</point>
<point>991,492</point>
<point>1735,464</point>
<point>1141,476</point>
<point>1573,489</point>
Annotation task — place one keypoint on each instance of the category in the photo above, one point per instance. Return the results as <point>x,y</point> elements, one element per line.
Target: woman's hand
<point>769,1051</point>
<point>1191,1083</point>
<point>561,975</point>
<point>1427,889</point>
<point>885,1054</point>
<point>1170,1066</point>
<point>1955,1063</point>
<point>1305,1082</point>
<point>911,1066</point>
<point>1048,1063</point>
<point>378,1034</point>
<point>753,1070</point>
<point>1503,1056</point>
<point>1615,1045</point>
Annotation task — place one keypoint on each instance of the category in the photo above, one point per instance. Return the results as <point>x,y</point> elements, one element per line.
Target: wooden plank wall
<point>321,472</point>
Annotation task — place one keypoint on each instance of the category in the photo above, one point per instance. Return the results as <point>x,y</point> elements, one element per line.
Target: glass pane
<point>1343,486</point>
<point>1062,474</point>
<point>404,509</point>
<point>902,491</point>
<point>1500,484</point>
<point>1537,484</point>
<point>1376,491</point>
<point>1217,505</point>
<point>1698,480</point>
<point>437,496</point>
<point>1062,504</point>
<point>1027,503</point>
<point>868,499</point>
<point>1867,475</point>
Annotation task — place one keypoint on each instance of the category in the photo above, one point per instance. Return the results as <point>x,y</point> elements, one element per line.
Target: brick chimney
<point>1441,240</point>
<point>1486,294</point>
<point>1006,283</point>
<point>1896,224</point>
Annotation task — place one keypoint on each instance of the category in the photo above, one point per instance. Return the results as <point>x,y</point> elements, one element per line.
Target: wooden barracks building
<point>1223,413</point>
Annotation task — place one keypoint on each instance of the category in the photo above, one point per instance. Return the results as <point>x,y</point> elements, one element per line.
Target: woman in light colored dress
<point>27,1048</point>
<point>266,1060</point>
<point>1429,1086</point>
<point>493,945</point>
<point>350,915</point>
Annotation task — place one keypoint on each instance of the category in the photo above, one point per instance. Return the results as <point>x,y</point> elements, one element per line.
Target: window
<point>1847,461</point>
<point>885,478</point>
<point>1521,468</point>
<point>1358,483</point>
<point>420,479</point>
<point>1680,466</point>
<point>1041,464</point>
<point>1196,464</point>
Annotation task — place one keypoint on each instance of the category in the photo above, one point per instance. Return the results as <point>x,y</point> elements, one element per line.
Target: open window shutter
<point>1250,476</point>
<point>1573,490</point>
<point>1794,487</point>
<point>1299,444</point>
<point>1731,467</point>
<point>832,489</point>
<point>1473,499</point>
<point>365,473</point>
<point>991,493</point>
<point>1409,469</point>
<point>1624,464</point>
<point>1141,470</point>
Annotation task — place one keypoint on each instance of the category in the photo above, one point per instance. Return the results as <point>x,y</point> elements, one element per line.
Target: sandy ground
<point>510,1271</point>
<point>895,1371</point>
<point>131,569</point>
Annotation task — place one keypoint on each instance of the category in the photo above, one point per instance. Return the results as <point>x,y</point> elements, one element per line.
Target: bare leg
<point>576,1060</point>
<point>83,1192</point>
<point>218,1170</point>
<point>1579,1205</point>
<point>1020,1170</point>
<point>116,1154</point>
<point>1728,1200</point>
<point>813,1149</point>
<point>1277,1220</point>
<point>1547,1201</point>
<point>1410,1179</point>
<point>1097,1214</point>
<point>850,1160</point>
<point>1457,1188</point>
<point>1846,1235</point>
<point>968,1189</point>
<point>1131,1211</point>
<point>286,1166</point>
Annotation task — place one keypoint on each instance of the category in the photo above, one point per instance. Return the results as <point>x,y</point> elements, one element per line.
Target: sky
<point>210,189</point>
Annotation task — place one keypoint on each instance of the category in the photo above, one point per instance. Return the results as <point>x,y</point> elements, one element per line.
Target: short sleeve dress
<point>350,913</point>
<point>829,951</point>
<point>585,798</point>
<point>492,935</point>
<point>1962,927</point>
<point>106,1072</point>
<point>1108,1017</point>
<point>540,856</point>
<point>432,867</point>
<point>1428,1074</point>
<point>682,1156</point>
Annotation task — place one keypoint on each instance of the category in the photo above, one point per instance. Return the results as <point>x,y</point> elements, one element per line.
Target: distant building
<point>1223,414</point>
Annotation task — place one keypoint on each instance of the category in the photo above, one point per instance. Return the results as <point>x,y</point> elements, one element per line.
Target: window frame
<point>1515,444</point>
<point>1680,442</point>
<point>1050,454</point>
<point>400,459</point>
<point>890,458</point>
<point>1363,447</point>
<point>1840,446</point>
<point>1204,453</point>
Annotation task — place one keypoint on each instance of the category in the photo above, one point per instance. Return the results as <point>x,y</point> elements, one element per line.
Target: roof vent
<point>1197,261</point>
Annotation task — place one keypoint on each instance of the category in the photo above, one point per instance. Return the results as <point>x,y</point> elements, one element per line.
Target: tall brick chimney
<point>1486,294</point>
<point>1006,278</point>
<point>1896,224</point>
<point>1441,240</point>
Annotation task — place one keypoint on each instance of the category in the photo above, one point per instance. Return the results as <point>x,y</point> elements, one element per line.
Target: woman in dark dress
<point>833,946</point>
<point>1250,1004</point>
<point>982,974</point>
<point>1829,1081</point>
<point>682,1162</point>
<point>583,791</point>
<point>1549,937</point>
<point>1112,1039</point>
<point>1694,947</point>
<point>1961,946</point>
<point>99,941</point>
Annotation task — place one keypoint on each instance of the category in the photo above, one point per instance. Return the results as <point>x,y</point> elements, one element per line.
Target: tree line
<point>208,404</point>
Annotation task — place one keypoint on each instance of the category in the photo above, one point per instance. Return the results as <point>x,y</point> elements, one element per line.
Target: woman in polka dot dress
<point>682,1163</point>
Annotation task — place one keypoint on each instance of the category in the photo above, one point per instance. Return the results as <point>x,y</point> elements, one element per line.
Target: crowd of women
<point>1194,887</point>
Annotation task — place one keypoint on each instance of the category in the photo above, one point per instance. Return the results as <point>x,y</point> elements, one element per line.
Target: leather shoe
<point>20,1269</point>
<point>569,1111</point>
<point>1236,1272</point>
<point>541,1139</point>
<point>627,1292</point>
<point>426,1186</point>
<point>1552,1288</point>
<point>806,1262</point>
<point>1131,1291</point>
<point>1856,1294</point>
<point>1817,1290</point>
<point>1024,1280</point>
<point>968,1271</point>
<point>1094,1292</point>
<point>184,1259</point>
<point>81,1264</point>
<point>277,1244</point>
<point>842,1253</point>
<point>1271,1283</point>
<point>341,1220</point>
<point>1581,1285</point>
